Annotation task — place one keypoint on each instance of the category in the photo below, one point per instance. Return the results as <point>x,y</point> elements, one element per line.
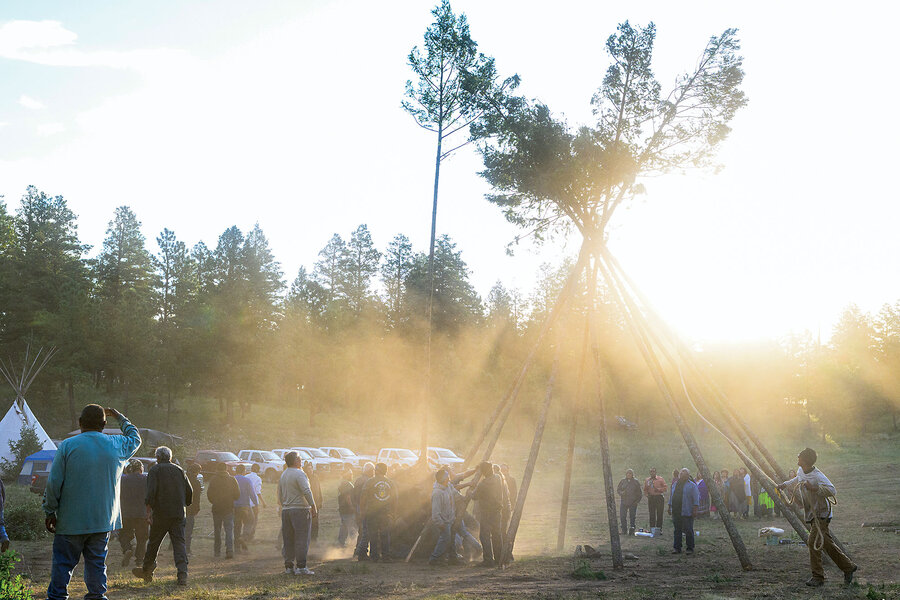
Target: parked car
<point>35,470</point>
<point>207,458</point>
<point>347,456</point>
<point>397,456</point>
<point>324,464</point>
<point>304,455</point>
<point>270,464</point>
<point>443,457</point>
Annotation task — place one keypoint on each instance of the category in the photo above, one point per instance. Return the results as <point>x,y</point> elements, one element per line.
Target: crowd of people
<point>94,488</point>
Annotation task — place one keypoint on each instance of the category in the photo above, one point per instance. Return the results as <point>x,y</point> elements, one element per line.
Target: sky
<point>200,115</point>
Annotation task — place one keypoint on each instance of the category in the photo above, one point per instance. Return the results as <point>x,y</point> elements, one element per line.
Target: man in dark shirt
<point>377,503</point>
<point>223,490</point>
<point>492,499</point>
<point>168,492</point>
<point>630,495</point>
<point>132,491</point>
<point>346,510</point>
<point>362,538</point>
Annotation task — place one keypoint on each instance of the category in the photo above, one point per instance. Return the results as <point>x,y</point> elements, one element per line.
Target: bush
<point>12,587</point>
<point>24,515</point>
<point>27,444</point>
<point>583,570</point>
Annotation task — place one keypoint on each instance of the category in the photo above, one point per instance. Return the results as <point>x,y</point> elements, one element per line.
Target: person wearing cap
<point>81,499</point>
<point>815,491</point>
<point>135,525</point>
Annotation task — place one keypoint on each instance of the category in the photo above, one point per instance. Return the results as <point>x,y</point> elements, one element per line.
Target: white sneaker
<point>289,570</point>
<point>303,571</point>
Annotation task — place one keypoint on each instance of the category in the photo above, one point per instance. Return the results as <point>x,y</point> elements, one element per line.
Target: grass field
<point>864,471</point>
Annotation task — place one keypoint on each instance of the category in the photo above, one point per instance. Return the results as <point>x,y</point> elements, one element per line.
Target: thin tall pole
<point>516,516</point>
<point>688,436</point>
<point>570,455</point>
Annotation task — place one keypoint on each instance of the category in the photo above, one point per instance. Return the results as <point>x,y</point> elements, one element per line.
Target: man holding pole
<point>816,491</point>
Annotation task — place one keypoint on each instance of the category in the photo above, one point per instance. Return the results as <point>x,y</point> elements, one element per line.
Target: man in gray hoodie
<point>443,514</point>
<point>297,511</point>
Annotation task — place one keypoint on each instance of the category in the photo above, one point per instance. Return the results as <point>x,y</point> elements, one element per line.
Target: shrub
<point>24,515</point>
<point>12,587</point>
<point>583,570</point>
<point>27,444</point>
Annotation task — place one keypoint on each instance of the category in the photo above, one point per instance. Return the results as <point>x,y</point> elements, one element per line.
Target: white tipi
<point>20,413</point>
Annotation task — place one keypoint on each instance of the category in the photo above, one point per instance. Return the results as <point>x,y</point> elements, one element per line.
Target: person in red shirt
<point>655,490</point>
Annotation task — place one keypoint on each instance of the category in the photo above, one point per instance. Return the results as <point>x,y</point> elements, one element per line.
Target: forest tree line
<point>166,322</point>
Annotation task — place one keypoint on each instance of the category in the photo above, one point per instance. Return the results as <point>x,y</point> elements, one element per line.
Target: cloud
<point>19,36</point>
<point>31,103</point>
<point>48,129</point>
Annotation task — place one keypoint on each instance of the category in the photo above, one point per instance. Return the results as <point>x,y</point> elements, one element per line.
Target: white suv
<point>323,464</point>
<point>347,456</point>
<point>443,457</point>
<point>270,464</point>
<point>397,456</point>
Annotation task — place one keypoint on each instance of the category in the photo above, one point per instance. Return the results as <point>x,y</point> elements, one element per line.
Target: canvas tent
<point>11,427</point>
<point>20,413</point>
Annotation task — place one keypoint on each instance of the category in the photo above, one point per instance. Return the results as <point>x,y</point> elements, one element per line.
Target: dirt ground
<point>866,477</point>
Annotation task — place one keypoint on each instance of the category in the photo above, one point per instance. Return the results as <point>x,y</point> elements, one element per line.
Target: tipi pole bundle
<point>739,426</point>
<point>666,391</point>
<point>501,411</point>
<point>31,367</point>
<point>516,517</point>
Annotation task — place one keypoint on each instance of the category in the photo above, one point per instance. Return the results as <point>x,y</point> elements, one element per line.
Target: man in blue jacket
<point>684,504</point>
<point>81,500</point>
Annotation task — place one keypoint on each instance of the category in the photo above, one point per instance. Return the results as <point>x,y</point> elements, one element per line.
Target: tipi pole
<point>689,439</point>
<point>570,454</point>
<point>615,541</point>
<point>501,411</point>
<point>516,517</point>
<point>739,426</point>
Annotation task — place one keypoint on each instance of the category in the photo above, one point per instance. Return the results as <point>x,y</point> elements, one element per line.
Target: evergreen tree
<point>330,273</point>
<point>359,266</point>
<point>398,261</point>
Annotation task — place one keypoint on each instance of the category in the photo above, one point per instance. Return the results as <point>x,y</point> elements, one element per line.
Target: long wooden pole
<point>686,433</point>
<point>570,453</point>
<point>516,516</point>
<point>768,479</point>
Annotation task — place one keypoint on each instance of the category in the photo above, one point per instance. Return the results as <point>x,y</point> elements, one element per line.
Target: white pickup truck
<point>444,457</point>
<point>397,456</point>
<point>270,464</point>
<point>347,456</point>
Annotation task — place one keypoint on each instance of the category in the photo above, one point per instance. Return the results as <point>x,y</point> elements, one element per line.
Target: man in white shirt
<point>256,482</point>
<point>815,490</point>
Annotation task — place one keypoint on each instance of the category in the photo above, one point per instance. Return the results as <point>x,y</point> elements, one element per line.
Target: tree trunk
<point>516,516</point>
<point>70,395</point>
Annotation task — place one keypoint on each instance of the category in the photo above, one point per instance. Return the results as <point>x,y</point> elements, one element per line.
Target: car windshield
<point>269,455</point>
<point>225,456</point>
<point>344,452</point>
<point>317,453</point>
<point>403,453</point>
<point>447,454</point>
<point>303,453</point>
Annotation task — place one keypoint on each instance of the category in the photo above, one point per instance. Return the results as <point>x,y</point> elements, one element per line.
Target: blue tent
<point>36,464</point>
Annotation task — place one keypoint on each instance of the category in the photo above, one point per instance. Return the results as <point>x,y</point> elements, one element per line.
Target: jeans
<point>444,542</point>
<point>137,530</point>
<point>67,550</point>
<point>627,511</point>
<point>684,525</point>
<point>188,532</point>
<point>471,546</point>
<point>362,541</point>
<point>174,526</point>
<point>491,536</point>
<point>348,524</point>
<point>295,529</point>
<point>655,504</point>
<point>379,534</point>
<point>243,525</point>
<point>226,521</point>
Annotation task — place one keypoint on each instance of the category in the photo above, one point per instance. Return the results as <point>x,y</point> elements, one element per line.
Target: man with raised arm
<point>81,499</point>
